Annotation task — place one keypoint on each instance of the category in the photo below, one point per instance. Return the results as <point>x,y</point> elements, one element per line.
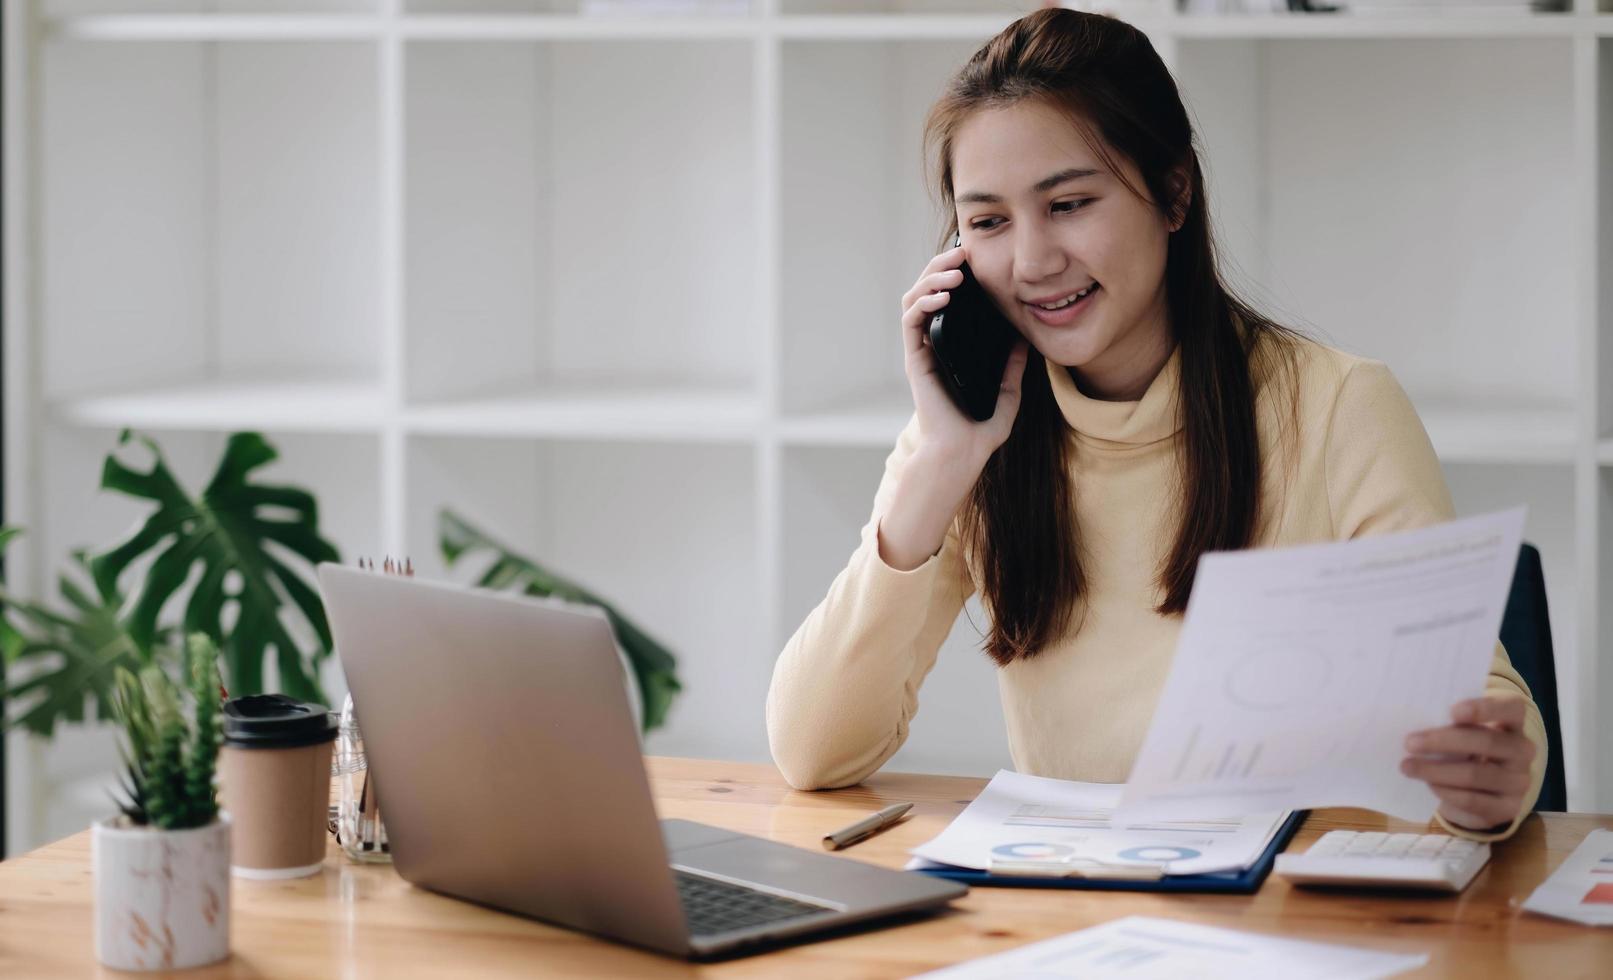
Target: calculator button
<point>1427,847</point>
<point>1397,845</point>
<point>1365,844</point>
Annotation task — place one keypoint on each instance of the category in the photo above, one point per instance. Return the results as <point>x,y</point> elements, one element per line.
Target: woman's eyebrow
<point>1063,176</point>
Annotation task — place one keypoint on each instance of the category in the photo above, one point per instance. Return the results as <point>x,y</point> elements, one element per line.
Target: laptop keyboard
<point>714,906</point>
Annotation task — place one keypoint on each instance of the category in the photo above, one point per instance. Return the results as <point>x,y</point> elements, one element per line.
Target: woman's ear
<point>1181,189</point>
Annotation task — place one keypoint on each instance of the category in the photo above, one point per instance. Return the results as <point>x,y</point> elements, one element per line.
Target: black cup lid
<point>274,721</point>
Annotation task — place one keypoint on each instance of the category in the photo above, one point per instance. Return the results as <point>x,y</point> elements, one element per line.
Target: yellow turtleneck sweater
<point>1358,462</point>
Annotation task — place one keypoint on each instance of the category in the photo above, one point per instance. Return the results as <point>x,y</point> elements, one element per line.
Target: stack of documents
<point>1035,826</point>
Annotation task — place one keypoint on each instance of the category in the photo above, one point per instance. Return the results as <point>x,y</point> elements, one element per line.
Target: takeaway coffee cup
<point>274,780</point>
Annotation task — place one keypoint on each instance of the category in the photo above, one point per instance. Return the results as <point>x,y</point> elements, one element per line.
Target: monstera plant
<point>233,563</point>
<point>231,560</point>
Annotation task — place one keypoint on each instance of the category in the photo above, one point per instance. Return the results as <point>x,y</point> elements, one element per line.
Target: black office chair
<point>1526,633</point>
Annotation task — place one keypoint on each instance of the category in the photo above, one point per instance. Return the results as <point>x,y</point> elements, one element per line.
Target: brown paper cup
<point>278,800</point>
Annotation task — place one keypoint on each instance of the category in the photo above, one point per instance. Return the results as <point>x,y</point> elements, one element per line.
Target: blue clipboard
<point>1227,882</point>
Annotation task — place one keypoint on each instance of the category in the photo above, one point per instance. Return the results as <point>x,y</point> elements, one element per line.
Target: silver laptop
<point>510,773</point>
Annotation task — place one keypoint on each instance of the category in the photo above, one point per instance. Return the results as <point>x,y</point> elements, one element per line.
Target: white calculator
<point>1378,860</point>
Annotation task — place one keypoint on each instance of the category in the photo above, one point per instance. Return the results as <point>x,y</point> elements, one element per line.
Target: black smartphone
<point>972,340</point>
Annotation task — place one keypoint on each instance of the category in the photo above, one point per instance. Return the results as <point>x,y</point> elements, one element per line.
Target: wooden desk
<point>365,921</point>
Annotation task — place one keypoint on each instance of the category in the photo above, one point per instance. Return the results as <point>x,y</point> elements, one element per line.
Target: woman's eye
<point>1068,207</point>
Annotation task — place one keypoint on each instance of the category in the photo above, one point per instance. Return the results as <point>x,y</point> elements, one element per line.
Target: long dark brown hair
<point>1018,521</point>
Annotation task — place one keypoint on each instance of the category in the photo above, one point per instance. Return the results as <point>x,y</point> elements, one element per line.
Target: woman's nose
<point>1037,257</point>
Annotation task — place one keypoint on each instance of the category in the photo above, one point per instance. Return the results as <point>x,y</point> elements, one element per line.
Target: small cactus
<point>169,759</point>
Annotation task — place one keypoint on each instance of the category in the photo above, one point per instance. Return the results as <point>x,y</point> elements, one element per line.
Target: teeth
<point>1070,299</point>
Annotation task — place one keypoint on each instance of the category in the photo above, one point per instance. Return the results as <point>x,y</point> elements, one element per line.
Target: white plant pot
<point>162,897</point>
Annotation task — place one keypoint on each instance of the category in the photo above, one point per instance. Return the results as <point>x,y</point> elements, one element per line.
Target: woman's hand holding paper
<point>1478,766</point>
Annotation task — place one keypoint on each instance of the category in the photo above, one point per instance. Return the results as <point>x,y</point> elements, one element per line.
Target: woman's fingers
<point>1013,381</point>
<point>916,319</point>
<point>950,259</point>
<point>1468,774</point>
<point>1502,712</point>
<point>1506,747</point>
<point>929,294</point>
<point>1477,767</point>
<point>932,284</point>
<point>945,263</point>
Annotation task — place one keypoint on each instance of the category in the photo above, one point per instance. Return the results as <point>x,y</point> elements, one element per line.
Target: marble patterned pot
<point>162,897</point>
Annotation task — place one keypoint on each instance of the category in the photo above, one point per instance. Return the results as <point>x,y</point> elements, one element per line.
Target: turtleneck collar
<point>1137,423</point>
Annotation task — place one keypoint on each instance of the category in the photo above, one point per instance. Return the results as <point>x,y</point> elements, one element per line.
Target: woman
<point>1151,417</point>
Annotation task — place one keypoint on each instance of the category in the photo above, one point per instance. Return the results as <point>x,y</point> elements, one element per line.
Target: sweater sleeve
<point>1383,475</point>
<point>846,686</point>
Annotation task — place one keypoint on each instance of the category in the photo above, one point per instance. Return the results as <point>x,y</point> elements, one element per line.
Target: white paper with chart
<point>1299,672</point>
<point>1019,818</point>
<point>1581,889</point>
<point>1144,948</point>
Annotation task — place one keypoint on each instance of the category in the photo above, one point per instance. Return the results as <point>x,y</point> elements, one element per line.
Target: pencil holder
<point>359,829</point>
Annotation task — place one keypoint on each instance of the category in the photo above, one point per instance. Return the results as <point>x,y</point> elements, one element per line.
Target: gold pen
<point>866,827</point>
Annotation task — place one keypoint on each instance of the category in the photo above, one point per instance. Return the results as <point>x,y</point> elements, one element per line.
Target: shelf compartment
<point>1361,187</point>
<point>853,168</point>
<point>642,272</point>
<point>237,233</point>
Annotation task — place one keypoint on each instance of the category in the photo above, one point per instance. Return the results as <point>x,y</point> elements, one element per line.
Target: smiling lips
<point>1073,306</point>
<point>1053,303</point>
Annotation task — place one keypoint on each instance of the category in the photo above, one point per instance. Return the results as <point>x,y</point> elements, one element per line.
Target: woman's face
<point>1032,241</point>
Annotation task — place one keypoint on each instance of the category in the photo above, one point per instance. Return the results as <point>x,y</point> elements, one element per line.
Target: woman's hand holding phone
<point>942,425</point>
<point>953,448</point>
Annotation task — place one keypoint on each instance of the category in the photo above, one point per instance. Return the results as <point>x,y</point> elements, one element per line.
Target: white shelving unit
<point>622,289</point>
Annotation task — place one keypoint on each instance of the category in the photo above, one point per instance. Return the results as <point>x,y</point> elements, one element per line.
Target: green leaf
<point>653,665</point>
<point>64,661</point>
<point>230,527</point>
